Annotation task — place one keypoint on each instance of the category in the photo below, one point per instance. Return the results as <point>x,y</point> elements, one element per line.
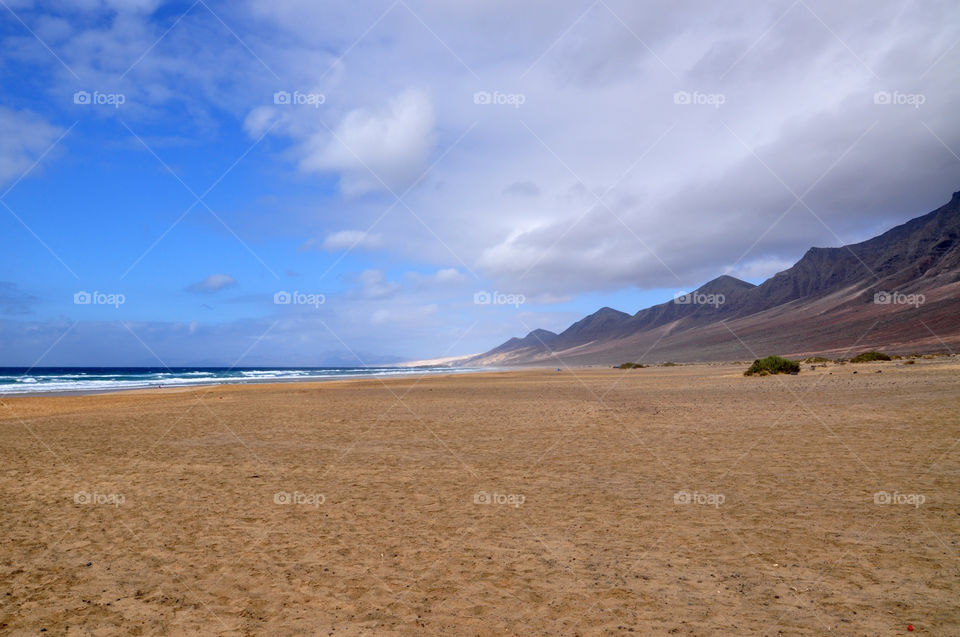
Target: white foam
<point>80,383</point>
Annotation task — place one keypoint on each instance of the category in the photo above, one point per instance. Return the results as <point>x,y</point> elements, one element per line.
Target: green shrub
<point>817,359</point>
<point>631,366</point>
<point>670,364</point>
<point>867,357</point>
<point>772,365</point>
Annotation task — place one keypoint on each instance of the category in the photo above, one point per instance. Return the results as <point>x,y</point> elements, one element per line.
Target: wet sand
<point>684,500</point>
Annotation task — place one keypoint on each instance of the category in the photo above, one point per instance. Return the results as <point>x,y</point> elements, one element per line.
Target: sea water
<point>34,380</point>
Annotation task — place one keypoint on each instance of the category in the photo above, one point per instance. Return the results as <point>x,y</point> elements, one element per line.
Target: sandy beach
<point>672,500</point>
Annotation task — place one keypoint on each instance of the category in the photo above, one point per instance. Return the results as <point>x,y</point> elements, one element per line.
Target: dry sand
<point>155,512</point>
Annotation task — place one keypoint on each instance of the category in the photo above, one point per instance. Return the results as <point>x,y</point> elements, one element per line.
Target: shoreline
<point>551,369</point>
<point>407,373</point>
<point>274,384</point>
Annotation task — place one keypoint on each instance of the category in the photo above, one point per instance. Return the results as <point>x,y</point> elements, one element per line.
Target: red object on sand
<point>910,627</point>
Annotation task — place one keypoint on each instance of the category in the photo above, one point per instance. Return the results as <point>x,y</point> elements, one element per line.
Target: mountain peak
<point>540,334</point>
<point>609,311</point>
<point>724,284</point>
<point>600,322</point>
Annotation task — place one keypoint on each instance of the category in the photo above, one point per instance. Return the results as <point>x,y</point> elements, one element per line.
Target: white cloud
<point>444,277</point>
<point>259,120</point>
<point>373,284</point>
<point>25,138</point>
<point>551,299</point>
<point>403,316</point>
<point>692,186</point>
<point>448,275</point>
<point>375,149</point>
<point>351,239</point>
<point>213,283</point>
<point>759,270</point>
<point>136,6</point>
<point>522,189</point>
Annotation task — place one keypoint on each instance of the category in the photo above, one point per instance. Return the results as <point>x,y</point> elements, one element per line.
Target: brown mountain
<point>897,292</point>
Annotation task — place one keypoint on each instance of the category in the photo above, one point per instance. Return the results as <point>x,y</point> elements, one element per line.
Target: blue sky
<point>593,154</point>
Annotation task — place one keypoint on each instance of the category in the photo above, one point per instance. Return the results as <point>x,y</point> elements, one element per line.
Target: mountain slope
<point>825,303</point>
<point>535,339</point>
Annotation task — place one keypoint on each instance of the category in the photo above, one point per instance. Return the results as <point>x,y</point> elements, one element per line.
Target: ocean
<point>38,380</point>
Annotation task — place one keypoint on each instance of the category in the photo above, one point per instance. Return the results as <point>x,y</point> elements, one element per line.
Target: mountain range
<point>897,292</point>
